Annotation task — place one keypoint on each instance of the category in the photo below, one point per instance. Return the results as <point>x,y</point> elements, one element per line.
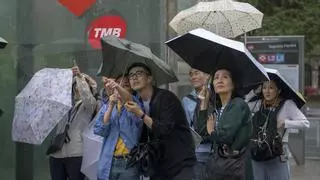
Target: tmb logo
<point>105,26</point>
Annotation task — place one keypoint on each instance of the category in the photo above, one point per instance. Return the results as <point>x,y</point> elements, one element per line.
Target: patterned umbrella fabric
<point>226,18</point>
<point>39,107</point>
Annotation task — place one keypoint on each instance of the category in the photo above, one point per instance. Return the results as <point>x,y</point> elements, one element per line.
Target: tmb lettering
<point>101,32</point>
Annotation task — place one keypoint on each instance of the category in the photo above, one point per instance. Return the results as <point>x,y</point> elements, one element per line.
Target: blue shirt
<point>126,125</point>
<point>189,105</point>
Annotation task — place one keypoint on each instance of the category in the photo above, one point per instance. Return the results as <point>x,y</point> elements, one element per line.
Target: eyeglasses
<point>137,74</point>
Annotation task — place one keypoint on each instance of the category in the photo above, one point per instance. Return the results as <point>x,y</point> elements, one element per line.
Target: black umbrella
<point>287,91</point>
<point>118,54</point>
<point>3,43</point>
<point>1,112</point>
<point>206,51</point>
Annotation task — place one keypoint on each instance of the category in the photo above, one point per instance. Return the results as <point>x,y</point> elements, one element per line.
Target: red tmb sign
<point>77,7</point>
<point>106,26</point>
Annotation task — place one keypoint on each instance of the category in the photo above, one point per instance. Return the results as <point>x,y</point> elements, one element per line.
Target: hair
<point>236,93</point>
<point>277,83</point>
<point>122,75</point>
<point>142,65</point>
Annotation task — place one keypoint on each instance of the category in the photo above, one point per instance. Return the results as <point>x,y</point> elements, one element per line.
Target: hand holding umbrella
<point>75,69</point>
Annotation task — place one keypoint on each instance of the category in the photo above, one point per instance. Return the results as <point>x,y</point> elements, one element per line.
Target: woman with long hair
<point>273,115</point>
<point>229,128</point>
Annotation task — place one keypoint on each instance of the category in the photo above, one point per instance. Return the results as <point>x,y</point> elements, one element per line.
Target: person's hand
<point>211,121</point>
<point>204,94</point>
<point>76,71</point>
<point>109,86</point>
<point>258,90</point>
<point>104,79</point>
<point>113,99</point>
<point>134,108</point>
<point>111,83</point>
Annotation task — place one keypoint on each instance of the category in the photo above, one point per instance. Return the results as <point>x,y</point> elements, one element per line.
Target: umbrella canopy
<point>43,102</point>
<point>118,54</point>
<point>287,91</point>
<point>224,17</point>
<point>206,51</point>
<point>92,145</point>
<point>1,112</point>
<point>3,43</point>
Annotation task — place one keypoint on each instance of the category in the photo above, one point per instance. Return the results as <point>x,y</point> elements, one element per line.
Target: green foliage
<point>290,17</point>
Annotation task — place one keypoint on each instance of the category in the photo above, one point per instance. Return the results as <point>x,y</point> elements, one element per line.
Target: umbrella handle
<point>75,62</point>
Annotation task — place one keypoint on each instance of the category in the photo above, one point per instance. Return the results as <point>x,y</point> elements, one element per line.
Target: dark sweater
<point>171,127</point>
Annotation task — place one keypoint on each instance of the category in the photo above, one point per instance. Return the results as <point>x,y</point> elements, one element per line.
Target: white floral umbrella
<point>43,102</point>
<point>224,17</point>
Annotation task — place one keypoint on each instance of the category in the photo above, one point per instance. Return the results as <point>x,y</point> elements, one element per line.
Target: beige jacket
<point>81,120</point>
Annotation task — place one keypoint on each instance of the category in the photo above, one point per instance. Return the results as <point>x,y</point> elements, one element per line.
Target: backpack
<point>266,142</point>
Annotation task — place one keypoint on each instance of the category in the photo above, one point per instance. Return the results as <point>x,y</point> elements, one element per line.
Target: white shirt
<point>146,105</point>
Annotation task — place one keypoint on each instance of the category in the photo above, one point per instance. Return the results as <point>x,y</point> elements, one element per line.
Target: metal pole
<point>171,58</point>
<point>25,38</point>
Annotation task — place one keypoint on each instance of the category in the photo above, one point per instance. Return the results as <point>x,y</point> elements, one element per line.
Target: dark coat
<point>171,127</point>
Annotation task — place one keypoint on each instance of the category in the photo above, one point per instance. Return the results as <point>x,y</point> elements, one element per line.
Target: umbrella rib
<point>227,20</point>
<point>206,18</point>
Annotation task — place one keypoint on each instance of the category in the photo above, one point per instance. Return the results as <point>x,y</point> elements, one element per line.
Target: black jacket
<point>171,127</point>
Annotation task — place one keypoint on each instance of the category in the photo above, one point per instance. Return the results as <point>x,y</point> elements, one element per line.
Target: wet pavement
<point>309,171</point>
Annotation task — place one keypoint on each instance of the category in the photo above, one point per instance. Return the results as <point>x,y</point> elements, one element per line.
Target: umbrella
<point>119,53</point>
<point>287,91</point>
<point>92,145</point>
<point>206,51</point>
<point>225,17</point>
<point>3,43</point>
<point>43,102</point>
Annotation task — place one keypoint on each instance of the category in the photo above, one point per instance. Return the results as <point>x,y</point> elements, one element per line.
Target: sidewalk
<point>310,171</point>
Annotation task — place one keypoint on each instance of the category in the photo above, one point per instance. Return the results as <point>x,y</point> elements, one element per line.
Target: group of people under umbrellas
<point>232,126</point>
<point>215,133</point>
<point>148,131</point>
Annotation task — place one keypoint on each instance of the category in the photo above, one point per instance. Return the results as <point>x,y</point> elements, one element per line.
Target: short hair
<point>142,65</point>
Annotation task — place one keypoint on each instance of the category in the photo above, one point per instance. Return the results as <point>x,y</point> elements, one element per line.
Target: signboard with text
<point>106,26</point>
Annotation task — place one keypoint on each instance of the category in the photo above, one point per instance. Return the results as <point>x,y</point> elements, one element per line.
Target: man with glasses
<point>165,120</point>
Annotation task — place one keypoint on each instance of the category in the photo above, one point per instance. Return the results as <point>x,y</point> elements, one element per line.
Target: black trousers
<point>66,168</point>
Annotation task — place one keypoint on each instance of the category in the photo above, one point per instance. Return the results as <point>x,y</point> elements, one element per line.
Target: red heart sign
<point>105,26</point>
<point>77,7</point>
